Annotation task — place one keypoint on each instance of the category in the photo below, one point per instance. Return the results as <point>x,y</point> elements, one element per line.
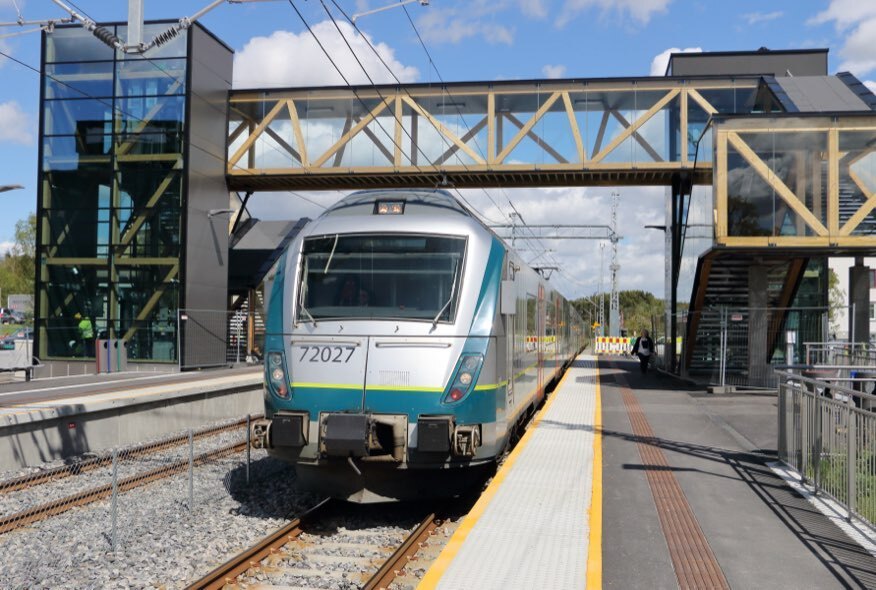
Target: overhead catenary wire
<point>118,109</point>
<point>159,68</point>
<point>392,73</point>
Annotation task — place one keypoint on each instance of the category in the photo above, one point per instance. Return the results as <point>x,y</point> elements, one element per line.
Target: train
<point>405,346</point>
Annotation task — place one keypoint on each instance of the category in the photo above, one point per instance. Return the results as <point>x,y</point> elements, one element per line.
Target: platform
<point>682,496</point>
<point>531,528</point>
<point>63,417</point>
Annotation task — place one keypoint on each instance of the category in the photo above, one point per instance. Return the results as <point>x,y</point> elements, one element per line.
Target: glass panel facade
<point>110,209</point>
<point>79,80</point>
<point>780,173</point>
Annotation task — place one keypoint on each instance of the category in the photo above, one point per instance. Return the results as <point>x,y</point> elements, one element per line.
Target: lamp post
<point>669,319</point>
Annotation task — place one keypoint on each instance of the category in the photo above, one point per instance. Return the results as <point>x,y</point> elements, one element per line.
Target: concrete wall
<point>79,431</point>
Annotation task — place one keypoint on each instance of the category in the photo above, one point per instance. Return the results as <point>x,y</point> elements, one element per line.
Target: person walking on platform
<point>644,348</point>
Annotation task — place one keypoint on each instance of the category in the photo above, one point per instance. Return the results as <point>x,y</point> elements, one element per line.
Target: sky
<point>468,40</point>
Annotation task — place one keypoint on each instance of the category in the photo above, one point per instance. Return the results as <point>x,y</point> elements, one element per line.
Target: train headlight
<point>464,378</point>
<point>389,208</point>
<point>277,374</point>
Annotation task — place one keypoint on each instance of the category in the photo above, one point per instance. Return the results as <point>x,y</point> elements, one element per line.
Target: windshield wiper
<point>302,294</point>
<point>449,300</point>
<point>307,313</point>
<point>332,255</point>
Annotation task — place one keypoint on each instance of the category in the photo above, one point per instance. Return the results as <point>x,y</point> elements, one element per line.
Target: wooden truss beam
<point>152,301</point>
<point>635,135</point>
<point>524,131</point>
<point>646,116</point>
<point>537,139</point>
<point>353,131</point>
<point>444,130</point>
<point>776,183</point>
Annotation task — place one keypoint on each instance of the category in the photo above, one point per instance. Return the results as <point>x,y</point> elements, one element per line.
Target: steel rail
<point>63,471</point>
<point>229,571</point>
<point>393,566</point>
<point>43,511</point>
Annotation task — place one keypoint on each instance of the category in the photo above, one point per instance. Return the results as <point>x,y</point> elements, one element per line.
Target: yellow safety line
<point>594,547</point>
<point>445,558</point>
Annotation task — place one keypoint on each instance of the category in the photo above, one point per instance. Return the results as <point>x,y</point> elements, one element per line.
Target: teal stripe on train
<point>479,407</point>
<point>485,311</point>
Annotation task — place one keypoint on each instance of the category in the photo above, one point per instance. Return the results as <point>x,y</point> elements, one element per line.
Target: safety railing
<point>827,432</point>
<point>840,353</point>
<point>191,468</point>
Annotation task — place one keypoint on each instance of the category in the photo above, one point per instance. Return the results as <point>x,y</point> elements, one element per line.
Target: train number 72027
<point>326,354</point>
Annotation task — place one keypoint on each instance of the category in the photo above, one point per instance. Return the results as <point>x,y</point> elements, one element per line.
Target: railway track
<point>92,463</point>
<point>319,547</point>
<point>41,512</point>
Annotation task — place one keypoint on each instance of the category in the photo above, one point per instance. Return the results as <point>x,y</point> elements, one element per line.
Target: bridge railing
<point>517,128</point>
<point>827,433</point>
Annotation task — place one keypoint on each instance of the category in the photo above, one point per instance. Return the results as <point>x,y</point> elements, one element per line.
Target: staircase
<point>721,288</point>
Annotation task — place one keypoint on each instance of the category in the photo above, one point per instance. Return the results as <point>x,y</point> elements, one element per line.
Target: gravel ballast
<point>161,543</point>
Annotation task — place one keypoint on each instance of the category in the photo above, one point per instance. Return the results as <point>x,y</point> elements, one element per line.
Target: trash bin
<point>111,355</point>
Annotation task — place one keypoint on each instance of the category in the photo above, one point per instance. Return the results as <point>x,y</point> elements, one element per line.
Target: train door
<point>540,340</point>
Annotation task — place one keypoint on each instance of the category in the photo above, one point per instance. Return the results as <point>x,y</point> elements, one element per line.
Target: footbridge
<point>779,170</point>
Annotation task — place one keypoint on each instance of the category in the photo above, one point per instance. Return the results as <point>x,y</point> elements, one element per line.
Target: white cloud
<point>659,63</point>
<point>287,59</point>
<point>453,25</point>
<point>845,13</point>
<point>860,17</point>
<point>752,18</point>
<point>15,124</point>
<point>858,55</point>
<point>638,10</point>
<point>5,247</point>
<point>534,8</point>
<point>871,85</point>
<point>550,71</point>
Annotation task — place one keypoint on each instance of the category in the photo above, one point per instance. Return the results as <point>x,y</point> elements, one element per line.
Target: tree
<point>638,308</point>
<point>17,268</point>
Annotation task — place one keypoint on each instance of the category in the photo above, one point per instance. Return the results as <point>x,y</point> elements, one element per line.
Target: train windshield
<point>386,276</point>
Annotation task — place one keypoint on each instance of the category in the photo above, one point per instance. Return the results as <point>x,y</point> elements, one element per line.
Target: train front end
<point>383,377</point>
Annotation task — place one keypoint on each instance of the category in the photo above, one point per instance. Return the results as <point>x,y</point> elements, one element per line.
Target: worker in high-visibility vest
<point>86,333</point>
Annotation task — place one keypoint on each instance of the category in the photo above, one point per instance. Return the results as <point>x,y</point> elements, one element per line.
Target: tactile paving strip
<point>535,531</point>
<point>694,562</point>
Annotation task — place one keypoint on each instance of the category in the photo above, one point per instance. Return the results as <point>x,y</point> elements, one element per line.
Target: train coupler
<point>466,440</point>
<point>282,430</point>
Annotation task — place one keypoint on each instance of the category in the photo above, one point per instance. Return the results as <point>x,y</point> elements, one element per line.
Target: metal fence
<point>181,471</point>
<point>727,350</point>
<point>827,433</point>
<point>210,338</point>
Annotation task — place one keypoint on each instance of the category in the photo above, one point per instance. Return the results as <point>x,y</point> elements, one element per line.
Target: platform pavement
<point>713,450</point>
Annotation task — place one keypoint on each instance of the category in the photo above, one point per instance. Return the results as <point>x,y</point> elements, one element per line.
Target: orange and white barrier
<point>613,345</point>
